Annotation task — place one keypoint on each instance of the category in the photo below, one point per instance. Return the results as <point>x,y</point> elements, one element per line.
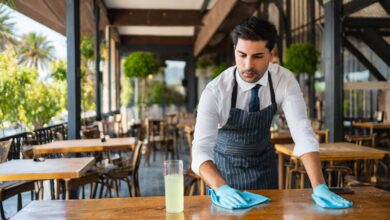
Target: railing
<point>41,136</point>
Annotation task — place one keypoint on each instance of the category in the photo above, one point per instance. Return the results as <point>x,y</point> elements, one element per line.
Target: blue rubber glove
<point>327,199</point>
<point>229,198</point>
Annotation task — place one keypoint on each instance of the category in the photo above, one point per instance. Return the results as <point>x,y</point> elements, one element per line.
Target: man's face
<point>252,59</point>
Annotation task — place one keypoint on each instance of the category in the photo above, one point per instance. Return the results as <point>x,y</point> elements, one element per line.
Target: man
<point>232,149</point>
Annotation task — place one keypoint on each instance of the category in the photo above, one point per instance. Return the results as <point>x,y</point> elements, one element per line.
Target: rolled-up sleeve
<point>206,129</point>
<point>294,108</point>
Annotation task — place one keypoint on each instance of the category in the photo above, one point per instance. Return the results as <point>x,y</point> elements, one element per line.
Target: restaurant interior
<point>111,163</point>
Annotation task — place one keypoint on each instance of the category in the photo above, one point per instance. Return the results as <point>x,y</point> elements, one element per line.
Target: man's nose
<point>248,63</point>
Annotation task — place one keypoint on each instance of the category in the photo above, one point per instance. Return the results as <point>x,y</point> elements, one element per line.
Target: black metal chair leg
<point>20,203</point>
<point>2,211</point>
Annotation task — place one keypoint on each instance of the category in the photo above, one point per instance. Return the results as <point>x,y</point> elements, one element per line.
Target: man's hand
<point>228,197</point>
<point>327,199</point>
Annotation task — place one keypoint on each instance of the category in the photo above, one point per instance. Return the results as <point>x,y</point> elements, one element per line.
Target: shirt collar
<point>245,86</point>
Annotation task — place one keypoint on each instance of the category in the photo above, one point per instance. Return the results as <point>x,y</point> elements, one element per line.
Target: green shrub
<point>302,58</point>
<point>218,70</point>
<point>140,64</point>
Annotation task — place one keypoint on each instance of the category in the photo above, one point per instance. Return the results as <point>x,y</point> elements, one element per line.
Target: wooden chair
<point>368,169</point>
<point>192,180</point>
<point>295,169</point>
<point>153,138</point>
<point>126,170</point>
<point>11,188</point>
<point>168,140</point>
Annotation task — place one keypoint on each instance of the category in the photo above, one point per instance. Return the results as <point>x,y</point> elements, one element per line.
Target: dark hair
<point>255,29</point>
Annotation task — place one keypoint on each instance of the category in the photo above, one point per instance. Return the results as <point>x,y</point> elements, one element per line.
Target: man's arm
<point>205,136</point>
<point>312,164</point>
<point>210,174</point>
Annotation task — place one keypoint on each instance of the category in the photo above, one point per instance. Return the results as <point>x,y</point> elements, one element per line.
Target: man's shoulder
<point>279,72</point>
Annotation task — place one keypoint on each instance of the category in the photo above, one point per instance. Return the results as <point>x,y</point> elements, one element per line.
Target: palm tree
<point>35,50</point>
<point>7,36</point>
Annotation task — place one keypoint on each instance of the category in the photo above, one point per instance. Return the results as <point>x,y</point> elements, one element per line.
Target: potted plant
<point>140,65</point>
<point>219,69</point>
<point>302,60</point>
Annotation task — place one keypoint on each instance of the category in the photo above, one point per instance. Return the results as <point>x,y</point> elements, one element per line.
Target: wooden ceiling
<point>212,20</point>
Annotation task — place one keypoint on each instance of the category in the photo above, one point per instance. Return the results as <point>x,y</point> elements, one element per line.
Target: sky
<point>25,25</point>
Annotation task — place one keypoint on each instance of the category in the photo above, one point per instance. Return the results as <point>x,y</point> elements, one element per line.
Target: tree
<point>35,50</point>
<point>44,101</point>
<point>7,36</point>
<point>58,70</point>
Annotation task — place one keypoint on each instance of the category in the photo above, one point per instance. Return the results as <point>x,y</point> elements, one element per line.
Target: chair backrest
<point>5,146</point>
<point>364,140</point>
<point>59,136</point>
<point>136,157</point>
<point>90,134</point>
<point>189,132</point>
<point>322,135</point>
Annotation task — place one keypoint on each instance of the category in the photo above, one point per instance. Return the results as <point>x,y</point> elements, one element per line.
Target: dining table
<point>46,169</point>
<point>337,151</point>
<point>372,126</point>
<point>84,145</point>
<point>368,203</point>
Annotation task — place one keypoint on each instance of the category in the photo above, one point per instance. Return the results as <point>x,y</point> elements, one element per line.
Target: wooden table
<point>84,145</point>
<point>369,203</point>
<point>62,168</point>
<point>372,126</point>
<point>281,137</point>
<point>331,152</point>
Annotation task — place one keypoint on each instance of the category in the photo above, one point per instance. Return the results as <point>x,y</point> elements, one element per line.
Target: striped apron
<point>243,153</point>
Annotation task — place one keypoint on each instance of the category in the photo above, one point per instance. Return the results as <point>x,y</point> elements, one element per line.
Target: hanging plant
<point>302,58</point>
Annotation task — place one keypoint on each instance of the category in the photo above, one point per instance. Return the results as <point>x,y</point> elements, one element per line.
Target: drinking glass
<point>174,186</point>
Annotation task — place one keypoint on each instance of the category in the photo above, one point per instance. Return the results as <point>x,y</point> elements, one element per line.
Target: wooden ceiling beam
<point>123,17</point>
<point>104,21</point>
<point>155,40</point>
<point>43,15</point>
<point>212,20</point>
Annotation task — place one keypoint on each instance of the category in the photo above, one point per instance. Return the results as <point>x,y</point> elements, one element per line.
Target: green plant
<point>140,64</point>
<point>24,98</point>
<point>87,47</point>
<point>58,70</point>
<point>302,58</point>
<point>159,93</point>
<point>35,50</point>
<point>203,62</point>
<point>218,70</point>
<point>7,36</point>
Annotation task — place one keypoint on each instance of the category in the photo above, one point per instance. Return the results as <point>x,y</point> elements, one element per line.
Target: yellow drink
<point>174,193</point>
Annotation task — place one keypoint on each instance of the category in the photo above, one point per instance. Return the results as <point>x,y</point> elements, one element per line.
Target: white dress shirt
<point>215,103</point>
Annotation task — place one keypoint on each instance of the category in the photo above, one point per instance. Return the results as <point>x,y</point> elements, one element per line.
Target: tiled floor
<point>151,181</point>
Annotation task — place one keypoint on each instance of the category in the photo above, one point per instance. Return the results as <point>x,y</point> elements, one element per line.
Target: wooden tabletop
<point>373,125</point>
<point>281,137</point>
<point>339,151</point>
<point>369,203</point>
<point>62,168</point>
<point>84,145</point>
